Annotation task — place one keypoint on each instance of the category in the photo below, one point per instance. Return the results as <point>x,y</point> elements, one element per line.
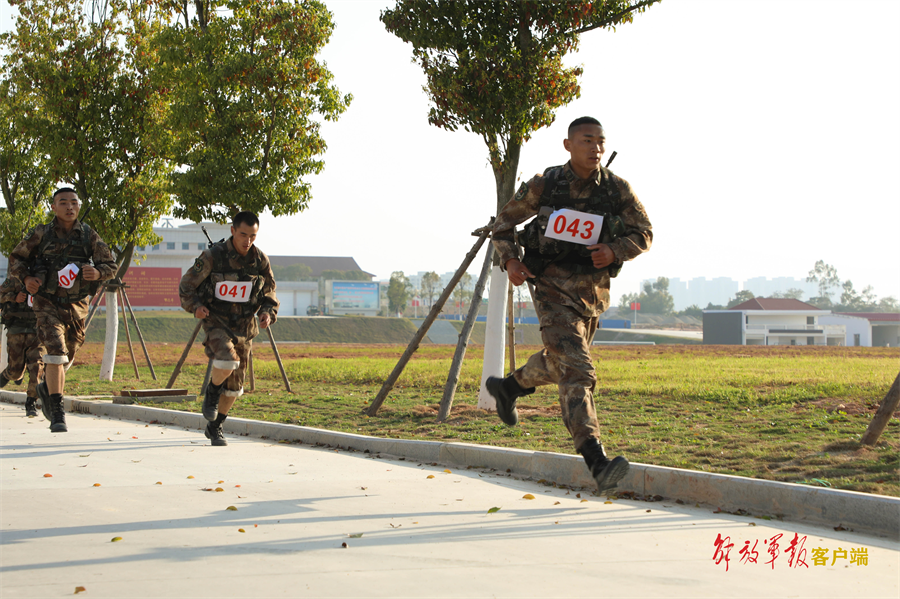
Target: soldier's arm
<point>104,262</point>
<point>268,302</point>
<point>9,290</point>
<point>190,282</point>
<point>523,206</point>
<point>23,255</point>
<point>638,231</point>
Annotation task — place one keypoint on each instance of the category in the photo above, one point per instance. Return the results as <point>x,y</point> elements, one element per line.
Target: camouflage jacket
<point>197,288</point>
<point>25,261</point>
<point>587,293</point>
<point>17,316</point>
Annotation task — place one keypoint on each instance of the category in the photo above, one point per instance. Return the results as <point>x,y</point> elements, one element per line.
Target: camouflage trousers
<point>60,330</point>
<point>566,362</point>
<point>24,351</point>
<point>228,355</point>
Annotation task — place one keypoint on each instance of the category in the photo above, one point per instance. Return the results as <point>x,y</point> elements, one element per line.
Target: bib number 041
<point>234,291</point>
<point>574,226</point>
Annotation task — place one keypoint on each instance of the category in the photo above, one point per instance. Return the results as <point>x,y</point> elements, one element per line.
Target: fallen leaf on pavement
<point>557,503</point>
<point>87,455</point>
<point>220,490</point>
<point>527,496</point>
<point>447,471</point>
<point>607,502</point>
<point>79,590</point>
<point>583,501</point>
<point>159,482</point>
<point>430,476</point>
<point>241,530</point>
<point>493,510</point>
<point>191,476</point>
<point>356,535</point>
<point>221,481</point>
<point>48,475</point>
<point>96,484</point>
<point>116,539</point>
<point>231,508</point>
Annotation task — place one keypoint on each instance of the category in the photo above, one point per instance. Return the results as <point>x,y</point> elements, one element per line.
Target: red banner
<point>635,305</point>
<point>152,287</point>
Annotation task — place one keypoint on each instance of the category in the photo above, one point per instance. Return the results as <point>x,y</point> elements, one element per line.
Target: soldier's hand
<point>518,273</point>
<point>265,320</point>
<point>602,255</point>
<point>32,284</point>
<point>201,312</point>
<point>21,297</point>
<point>90,273</point>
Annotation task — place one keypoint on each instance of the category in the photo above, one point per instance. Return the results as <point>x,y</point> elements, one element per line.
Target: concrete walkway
<point>411,528</point>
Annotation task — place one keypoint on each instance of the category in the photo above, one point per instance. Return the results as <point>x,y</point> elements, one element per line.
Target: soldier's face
<point>586,145</point>
<point>66,206</point>
<point>243,236</point>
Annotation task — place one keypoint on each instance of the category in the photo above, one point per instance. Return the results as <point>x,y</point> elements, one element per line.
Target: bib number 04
<point>234,291</point>
<point>67,276</point>
<point>574,226</point>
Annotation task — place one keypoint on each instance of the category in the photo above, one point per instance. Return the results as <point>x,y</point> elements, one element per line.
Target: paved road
<point>421,536</point>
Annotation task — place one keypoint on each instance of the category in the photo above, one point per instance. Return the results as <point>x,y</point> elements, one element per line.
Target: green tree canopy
<point>431,286</point>
<point>740,297</point>
<point>24,177</point>
<point>247,91</point>
<point>398,292</point>
<point>93,108</point>
<point>496,68</point>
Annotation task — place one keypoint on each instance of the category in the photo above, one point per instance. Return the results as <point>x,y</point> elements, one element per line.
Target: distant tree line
<point>302,272</point>
<point>656,299</point>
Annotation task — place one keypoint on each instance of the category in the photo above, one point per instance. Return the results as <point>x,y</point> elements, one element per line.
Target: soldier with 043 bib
<point>229,284</point>
<point>24,349</point>
<point>588,222</point>
<point>61,265</point>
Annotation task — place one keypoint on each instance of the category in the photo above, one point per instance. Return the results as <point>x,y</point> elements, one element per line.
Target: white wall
<point>854,325</point>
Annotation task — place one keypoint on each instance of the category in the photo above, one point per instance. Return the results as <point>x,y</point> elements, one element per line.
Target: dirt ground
<point>167,353</point>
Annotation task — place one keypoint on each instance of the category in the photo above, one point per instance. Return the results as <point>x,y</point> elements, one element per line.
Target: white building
<point>867,329</point>
<point>765,321</point>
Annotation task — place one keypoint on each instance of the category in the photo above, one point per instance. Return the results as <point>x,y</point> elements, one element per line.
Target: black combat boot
<point>44,394</point>
<point>3,380</point>
<point>211,401</point>
<point>214,433</point>
<point>505,392</point>
<point>30,407</point>
<point>606,472</point>
<point>58,414</point>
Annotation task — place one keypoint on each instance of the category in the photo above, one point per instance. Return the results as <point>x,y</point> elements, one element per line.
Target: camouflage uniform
<point>197,290</point>
<point>60,312</point>
<point>570,298</point>
<point>22,345</point>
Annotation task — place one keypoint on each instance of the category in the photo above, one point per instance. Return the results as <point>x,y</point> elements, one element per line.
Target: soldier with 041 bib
<point>229,284</point>
<point>588,222</point>
<point>61,265</point>
<point>23,346</point>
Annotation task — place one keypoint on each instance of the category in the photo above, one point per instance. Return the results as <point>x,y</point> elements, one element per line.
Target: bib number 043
<point>574,226</point>
<point>234,291</point>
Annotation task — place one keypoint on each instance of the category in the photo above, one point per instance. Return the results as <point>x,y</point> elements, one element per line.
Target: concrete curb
<point>861,512</point>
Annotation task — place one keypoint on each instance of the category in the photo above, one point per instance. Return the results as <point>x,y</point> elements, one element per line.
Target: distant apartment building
<point>765,287</point>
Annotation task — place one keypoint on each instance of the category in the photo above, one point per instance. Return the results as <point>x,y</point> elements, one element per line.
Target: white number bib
<point>574,226</point>
<point>67,276</point>
<point>234,291</point>
<point>30,301</point>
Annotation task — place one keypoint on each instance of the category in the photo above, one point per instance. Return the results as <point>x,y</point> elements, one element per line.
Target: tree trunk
<point>883,415</point>
<point>494,334</point>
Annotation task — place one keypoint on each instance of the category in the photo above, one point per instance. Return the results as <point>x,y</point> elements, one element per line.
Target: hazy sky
<point>761,136</point>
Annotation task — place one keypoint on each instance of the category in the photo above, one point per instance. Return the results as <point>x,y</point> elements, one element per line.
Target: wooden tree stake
<point>883,415</point>
<point>483,233</point>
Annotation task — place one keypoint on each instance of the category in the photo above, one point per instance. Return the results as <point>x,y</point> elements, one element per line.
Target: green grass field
<point>779,413</point>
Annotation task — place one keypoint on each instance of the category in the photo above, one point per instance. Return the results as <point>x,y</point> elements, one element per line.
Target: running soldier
<point>23,349</point>
<point>61,265</point>
<point>588,222</point>
<point>228,286</point>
